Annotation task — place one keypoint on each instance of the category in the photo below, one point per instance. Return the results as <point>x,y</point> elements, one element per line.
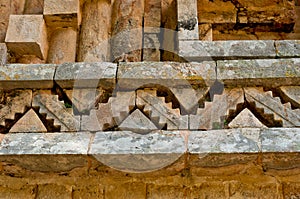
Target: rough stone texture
<point>199,50</point>
<point>152,15</point>
<point>246,119</point>
<point>27,35</point>
<point>272,106</point>
<point>280,140</point>
<point>62,46</point>
<point>165,192</point>
<point>168,74</point>
<point>291,94</point>
<point>88,192</point>
<point>127,29</point>
<point>265,72</point>
<point>224,141</point>
<point>187,20</point>
<point>34,7</point>
<point>27,76</point>
<point>291,190</point>
<point>160,113</point>
<point>95,31</point>
<point>54,191</point>
<point>29,123</point>
<point>86,75</point>
<point>126,191</point>
<point>26,192</point>
<point>215,113</point>
<point>151,48</point>
<point>3,54</point>
<point>63,13</point>
<point>137,122</point>
<point>205,32</point>
<point>15,102</point>
<point>209,190</point>
<point>56,112</point>
<point>128,151</point>
<point>288,48</point>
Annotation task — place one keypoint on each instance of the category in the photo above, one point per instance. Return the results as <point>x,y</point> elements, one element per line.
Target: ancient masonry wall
<point>149,99</point>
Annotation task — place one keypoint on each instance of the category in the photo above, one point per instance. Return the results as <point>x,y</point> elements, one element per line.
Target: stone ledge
<point>245,49</point>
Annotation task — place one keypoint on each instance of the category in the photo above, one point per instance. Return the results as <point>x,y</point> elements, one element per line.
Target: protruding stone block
<point>34,7</point>
<point>63,13</point>
<point>152,16</point>
<point>3,54</point>
<point>288,48</point>
<point>27,35</point>
<point>187,20</point>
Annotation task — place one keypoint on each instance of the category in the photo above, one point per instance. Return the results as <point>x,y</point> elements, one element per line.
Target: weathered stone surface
<point>56,111</point>
<point>27,76</point>
<point>109,114</point>
<point>126,191</point>
<point>209,190</point>
<point>16,101</point>
<point>272,106</point>
<point>168,74</point>
<point>137,122</point>
<point>88,192</point>
<point>30,59</point>
<point>199,50</point>
<point>3,54</point>
<point>291,190</point>
<point>86,75</point>
<point>280,140</point>
<point>152,15</point>
<point>215,113</point>
<point>161,113</point>
<point>128,151</point>
<point>127,32</point>
<point>166,192</point>
<point>280,161</point>
<point>62,46</point>
<point>265,72</point>
<point>217,11</point>
<point>292,94</point>
<point>246,119</point>
<point>64,13</point>
<point>45,143</point>
<point>27,35</point>
<point>34,7</point>
<point>224,141</point>
<point>205,32</point>
<point>29,123</point>
<point>151,49</point>
<point>26,192</point>
<point>94,42</point>
<point>187,20</point>
<point>288,48</point>
<point>54,191</point>
<point>84,99</point>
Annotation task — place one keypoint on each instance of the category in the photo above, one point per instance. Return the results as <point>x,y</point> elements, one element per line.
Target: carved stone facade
<point>149,99</point>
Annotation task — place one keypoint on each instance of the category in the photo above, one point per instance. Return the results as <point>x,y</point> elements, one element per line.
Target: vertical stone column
<point>95,31</point>
<point>187,20</point>
<point>152,33</point>
<point>127,33</point>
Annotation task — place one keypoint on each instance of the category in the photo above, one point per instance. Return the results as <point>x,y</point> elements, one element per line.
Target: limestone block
<point>94,42</point>
<point>126,191</point>
<point>29,123</point>
<point>288,48</point>
<point>151,49</point>
<point>199,50</point>
<point>133,152</point>
<point>167,192</point>
<point>27,76</point>
<point>86,75</point>
<point>187,20</point>
<point>3,54</point>
<point>159,112</point>
<point>260,72</point>
<point>127,32</point>
<point>26,192</point>
<point>224,141</point>
<point>209,190</point>
<point>137,122</point>
<point>55,111</point>
<point>291,190</point>
<point>62,46</point>
<point>291,94</point>
<point>17,102</point>
<point>54,191</point>
<point>205,32</point>
<point>63,13</point>
<point>273,110</point>
<point>88,191</point>
<point>214,114</point>
<point>152,15</point>
<point>167,74</point>
<point>34,7</point>
<point>27,35</point>
<point>246,119</point>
